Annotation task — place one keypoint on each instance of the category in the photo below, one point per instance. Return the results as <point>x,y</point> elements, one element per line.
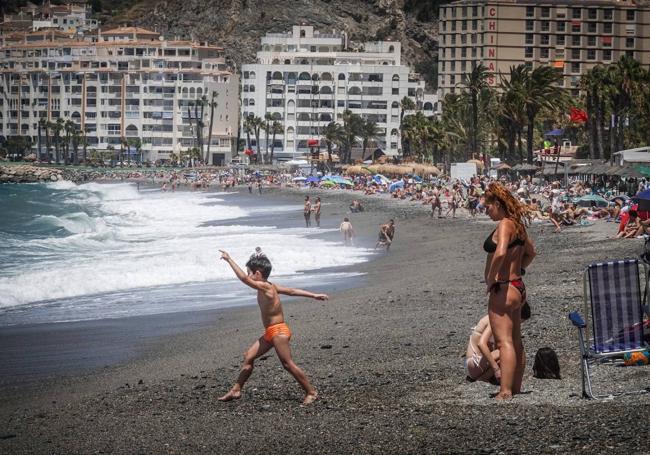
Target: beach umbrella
<point>556,132</point>
<point>586,201</point>
<point>393,186</point>
<point>312,179</point>
<point>643,199</point>
<point>381,179</point>
<point>299,179</point>
<point>327,184</point>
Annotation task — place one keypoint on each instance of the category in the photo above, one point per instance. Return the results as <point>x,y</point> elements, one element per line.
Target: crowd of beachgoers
<point>579,202</point>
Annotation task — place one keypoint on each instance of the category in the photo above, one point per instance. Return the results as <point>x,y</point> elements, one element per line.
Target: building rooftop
<point>129,31</point>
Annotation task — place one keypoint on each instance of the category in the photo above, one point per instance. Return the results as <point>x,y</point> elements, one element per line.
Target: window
<point>530,26</point>
<point>576,13</point>
<point>591,54</point>
<point>592,13</point>
<point>463,52</point>
<point>463,25</point>
<point>453,26</point>
<point>575,67</point>
<point>464,11</point>
<point>629,42</point>
<point>607,27</point>
<point>463,66</point>
<point>544,52</point>
<point>608,14</point>
<point>545,40</point>
<point>474,11</point>
<point>528,53</point>
<point>529,38</point>
<point>559,40</point>
<point>591,27</point>
<point>607,54</point>
<point>474,24</point>
<point>452,79</point>
<point>630,14</point>
<point>575,40</point>
<point>530,11</point>
<point>453,39</point>
<point>546,11</point>
<point>546,26</point>
<point>452,66</point>
<point>575,27</point>
<point>473,52</point>
<point>463,39</point>
<point>591,41</point>
<point>561,26</point>
<point>575,54</point>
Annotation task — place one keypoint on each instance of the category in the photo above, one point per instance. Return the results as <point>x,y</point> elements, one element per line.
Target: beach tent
<point>585,201</point>
<point>393,186</point>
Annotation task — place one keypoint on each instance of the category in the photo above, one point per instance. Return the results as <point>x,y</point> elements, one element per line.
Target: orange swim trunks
<point>276,329</point>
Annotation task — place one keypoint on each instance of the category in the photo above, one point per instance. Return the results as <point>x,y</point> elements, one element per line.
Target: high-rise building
<point>306,79</point>
<point>573,36</point>
<point>119,85</point>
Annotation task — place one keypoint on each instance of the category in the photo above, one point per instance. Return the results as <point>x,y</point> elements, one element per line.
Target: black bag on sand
<point>546,364</point>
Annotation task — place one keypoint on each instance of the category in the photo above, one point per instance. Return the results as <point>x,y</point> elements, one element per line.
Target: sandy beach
<point>386,357</point>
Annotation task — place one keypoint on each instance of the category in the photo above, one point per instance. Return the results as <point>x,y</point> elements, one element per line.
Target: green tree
<point>213,104</point>
<point>276,128</point>
<point>352,124</point>
<point>368,132</point>
<point>475,82</point>
<point>57,128</point>
<point>41,126</point>
<point>333,134</point>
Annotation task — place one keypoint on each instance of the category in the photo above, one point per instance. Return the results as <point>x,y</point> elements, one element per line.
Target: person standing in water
<point>347,231</point>
<point>276,332</point>
<point>307,211</point>
<point>316,210</point>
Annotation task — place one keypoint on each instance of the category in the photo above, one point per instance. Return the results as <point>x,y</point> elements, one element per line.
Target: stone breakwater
<point>29,174</point>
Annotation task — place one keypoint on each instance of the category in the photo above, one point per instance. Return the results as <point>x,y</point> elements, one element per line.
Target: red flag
<point>578,115</point>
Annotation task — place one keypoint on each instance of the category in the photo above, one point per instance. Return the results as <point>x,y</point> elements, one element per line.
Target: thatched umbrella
<point>525,167</point>
<point>502,167</point>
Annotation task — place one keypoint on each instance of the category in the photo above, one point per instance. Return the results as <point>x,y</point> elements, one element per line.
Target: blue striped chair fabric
<point>616,306</point>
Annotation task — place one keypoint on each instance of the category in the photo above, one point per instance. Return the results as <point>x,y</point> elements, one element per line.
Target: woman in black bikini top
<point>506,258</point>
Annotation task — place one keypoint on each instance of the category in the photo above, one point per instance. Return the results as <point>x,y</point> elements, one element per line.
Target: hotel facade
<point>118,85</point>
<point>306,79</point>
<point>572,36</point>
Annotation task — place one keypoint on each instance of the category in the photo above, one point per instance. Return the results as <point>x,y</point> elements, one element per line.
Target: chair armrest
<point>577,320</point>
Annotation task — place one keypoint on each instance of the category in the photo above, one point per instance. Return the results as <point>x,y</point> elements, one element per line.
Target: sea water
<point>82,252</point>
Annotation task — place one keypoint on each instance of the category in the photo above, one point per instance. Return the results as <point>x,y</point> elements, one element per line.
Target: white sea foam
<point>129,240</point>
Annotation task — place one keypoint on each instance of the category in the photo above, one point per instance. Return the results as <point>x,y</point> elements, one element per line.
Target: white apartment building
<point>306,79</point>
<point>119,84</point>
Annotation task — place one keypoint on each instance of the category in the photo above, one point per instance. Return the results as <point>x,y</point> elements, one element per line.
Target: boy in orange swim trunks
<point>277,333</point>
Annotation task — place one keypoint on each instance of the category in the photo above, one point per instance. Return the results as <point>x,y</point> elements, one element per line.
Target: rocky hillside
<point>238,25</point>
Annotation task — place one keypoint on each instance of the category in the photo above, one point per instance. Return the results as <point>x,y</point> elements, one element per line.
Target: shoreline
<point>386,358</point>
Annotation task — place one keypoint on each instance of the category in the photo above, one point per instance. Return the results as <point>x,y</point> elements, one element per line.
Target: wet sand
<point>385,357</point>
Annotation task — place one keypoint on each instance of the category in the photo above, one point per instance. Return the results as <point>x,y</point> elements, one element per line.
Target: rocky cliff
<point>238,25</point>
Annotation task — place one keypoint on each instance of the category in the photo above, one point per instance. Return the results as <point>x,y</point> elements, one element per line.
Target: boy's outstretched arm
<point>243,277</point>
<point>300,293</point>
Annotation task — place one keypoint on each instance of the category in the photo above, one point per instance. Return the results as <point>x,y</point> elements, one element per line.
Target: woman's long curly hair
<point>516,211</point>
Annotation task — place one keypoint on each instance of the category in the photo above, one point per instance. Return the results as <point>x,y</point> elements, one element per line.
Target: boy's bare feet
<point>310,398</point>
<point>231,395</point>
<point>501,396</point>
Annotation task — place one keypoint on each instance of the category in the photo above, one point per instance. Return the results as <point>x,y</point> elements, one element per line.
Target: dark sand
<point>385,357</point>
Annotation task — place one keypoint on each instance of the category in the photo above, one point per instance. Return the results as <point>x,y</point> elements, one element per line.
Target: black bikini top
<point>490,247</point>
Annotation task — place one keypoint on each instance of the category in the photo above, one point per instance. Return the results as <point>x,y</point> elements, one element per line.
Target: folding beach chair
<point>614,308</point>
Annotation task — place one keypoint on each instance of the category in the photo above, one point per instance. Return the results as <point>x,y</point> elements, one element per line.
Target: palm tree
<point>58,127</point>
<point>369,131</point>
<point>213,105</point>
<point>475,82</point>
<point>248,129</point>
<point>276,128</point>
<point>256,124</point>
<point>48,140</point>
<point>406,104</point>
<point>333,134</point>
<point>511,115</point>
<point>41,125</point>
<point>266,126</point>
<point>351,129</point>
<point>541,91</point>
<point>68,128</point>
